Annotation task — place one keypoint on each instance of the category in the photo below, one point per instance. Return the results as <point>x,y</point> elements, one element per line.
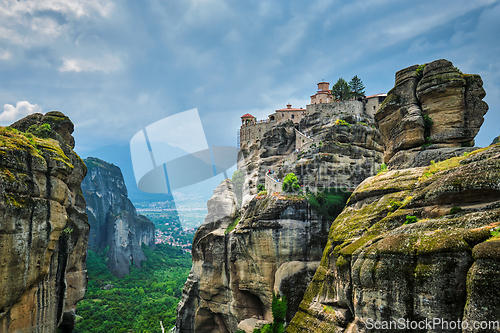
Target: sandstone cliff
<point>44,229</point>
<point>113,219</point>
<point>344,149</point>
<point>420,241</point>
<point>431,106</point>
<point>445,265</point>
<point>275,247</point>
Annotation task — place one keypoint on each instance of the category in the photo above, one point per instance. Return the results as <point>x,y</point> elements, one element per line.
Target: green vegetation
<point>447,164</point>
<point>261,187</point>
<point>394,205</point>
<point>279,307</point>
<point>341,122</point>
<point>410,219</point>
<point>139,301</point>
<point>262,193</point>
<point>467,144</point>
<point>357,87</point>
<point>455,210</point>
<point>329,202</point>
<point>238,179</point>
<point>428,122</point>
<point>495,233</point>
<point>383,168</point>
<point>43,131</point>
<point>420,70</point>
<point>341,90</point>
<point>290,183</point>
<point>232,225</point>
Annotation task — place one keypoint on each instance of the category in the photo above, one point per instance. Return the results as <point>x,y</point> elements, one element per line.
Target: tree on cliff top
<point>341,90</point>
<point>357,87</point>
<point>238,179</point>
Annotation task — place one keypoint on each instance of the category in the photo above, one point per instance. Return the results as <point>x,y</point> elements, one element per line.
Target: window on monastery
<point>293,116</point>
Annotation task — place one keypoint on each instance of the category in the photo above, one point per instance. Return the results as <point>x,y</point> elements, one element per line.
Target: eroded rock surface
<point>43,230</point>
<point>346,148</point>
<point>445,265</point>
<point>113,219</point>
<point>275,247</point>
<point>438,90</point>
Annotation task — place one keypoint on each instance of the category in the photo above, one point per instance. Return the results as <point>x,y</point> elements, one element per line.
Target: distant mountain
<point>119,155</point>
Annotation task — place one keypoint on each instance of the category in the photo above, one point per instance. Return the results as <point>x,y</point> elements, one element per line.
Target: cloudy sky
<point>115,67</point>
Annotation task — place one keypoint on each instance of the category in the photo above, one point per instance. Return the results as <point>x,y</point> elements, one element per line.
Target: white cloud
<point>30,23</point>
<point>5,55</point>
<point>12,113</point>
<point>76,8</point>
<point>106,64</point>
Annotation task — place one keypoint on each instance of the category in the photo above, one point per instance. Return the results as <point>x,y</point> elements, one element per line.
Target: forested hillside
<point>138,301</point>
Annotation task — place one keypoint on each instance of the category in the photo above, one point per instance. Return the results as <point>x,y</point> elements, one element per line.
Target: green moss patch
<point>232,225</point>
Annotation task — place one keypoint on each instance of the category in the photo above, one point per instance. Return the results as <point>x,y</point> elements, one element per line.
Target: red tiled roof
<point>291,109</point>
<point>248,115</point>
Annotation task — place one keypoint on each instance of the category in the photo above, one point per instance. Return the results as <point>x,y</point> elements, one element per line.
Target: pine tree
<point>341,90</point>
<point>356,86</point>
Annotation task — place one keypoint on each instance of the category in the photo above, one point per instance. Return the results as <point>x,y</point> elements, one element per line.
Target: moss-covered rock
<point>40,196</point>
<point>434,104</point>
<point>442,266</point>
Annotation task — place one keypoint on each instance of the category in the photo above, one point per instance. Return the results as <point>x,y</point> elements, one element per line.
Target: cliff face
<point>345,149</point>
<point>434,105</point>
<point>421,241</point>
<point>113,219</point>
<point>275,247</point>
<point>44,229</point>
<point>445,265</point>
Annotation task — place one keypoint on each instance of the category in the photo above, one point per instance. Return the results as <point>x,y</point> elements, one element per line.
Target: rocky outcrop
<point>432,105</point>
<point>414,244</point>
<point>44,229</point>
<point>275,247</point>
<point>344,149</point>
<point>113,219</point>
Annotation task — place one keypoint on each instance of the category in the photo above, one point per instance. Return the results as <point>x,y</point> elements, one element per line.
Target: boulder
<point>434,105</point>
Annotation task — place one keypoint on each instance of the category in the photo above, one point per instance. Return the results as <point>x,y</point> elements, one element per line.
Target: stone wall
<point>250,133</point>
<point>336,108</point>
<point>272,185</point>
<point>301,140</point>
